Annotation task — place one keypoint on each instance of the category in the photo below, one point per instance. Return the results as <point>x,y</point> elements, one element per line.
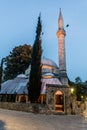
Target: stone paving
<point>14,120</point>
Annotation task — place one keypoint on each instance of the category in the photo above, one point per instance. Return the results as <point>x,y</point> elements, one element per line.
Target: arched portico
<point>59,101</point>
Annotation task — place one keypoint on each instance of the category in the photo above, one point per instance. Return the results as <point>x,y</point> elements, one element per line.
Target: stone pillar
<point>27,98</point>
<point>19,98</point>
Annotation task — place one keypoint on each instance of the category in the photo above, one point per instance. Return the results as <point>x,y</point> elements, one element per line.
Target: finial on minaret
<point>60,20</point>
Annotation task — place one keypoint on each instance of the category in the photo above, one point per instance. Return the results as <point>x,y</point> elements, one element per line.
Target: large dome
<point>48,67</point>
<point>49,62</point>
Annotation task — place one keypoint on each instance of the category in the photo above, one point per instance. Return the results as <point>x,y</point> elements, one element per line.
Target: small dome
<point>47,74</point>
<point>49,62</point>
<point>21,76</point>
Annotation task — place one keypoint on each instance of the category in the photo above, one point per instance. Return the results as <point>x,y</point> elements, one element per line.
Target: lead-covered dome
<point>49,68</point>
<point>49,62</point>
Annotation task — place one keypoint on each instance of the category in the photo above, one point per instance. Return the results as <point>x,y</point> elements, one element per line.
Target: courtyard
<point>15,120</point>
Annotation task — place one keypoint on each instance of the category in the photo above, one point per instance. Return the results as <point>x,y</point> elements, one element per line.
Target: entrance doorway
<point>59,101</point>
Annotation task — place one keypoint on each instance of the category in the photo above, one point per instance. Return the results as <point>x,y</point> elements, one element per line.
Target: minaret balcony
<point>61,33</point>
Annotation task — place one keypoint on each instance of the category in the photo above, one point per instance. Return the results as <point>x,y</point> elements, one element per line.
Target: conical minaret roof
<point>60,20</point>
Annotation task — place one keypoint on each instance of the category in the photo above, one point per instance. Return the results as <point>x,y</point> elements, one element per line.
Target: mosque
<point>55,91</point>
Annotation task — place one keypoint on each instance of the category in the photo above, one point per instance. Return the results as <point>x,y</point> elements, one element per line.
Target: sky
<point>18,21</point>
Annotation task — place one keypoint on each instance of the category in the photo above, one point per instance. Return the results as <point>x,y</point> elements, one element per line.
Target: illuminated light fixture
<point>72,90</point>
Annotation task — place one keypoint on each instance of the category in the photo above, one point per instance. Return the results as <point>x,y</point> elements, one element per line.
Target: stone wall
<point>26,107</point>
<point>35,108</point>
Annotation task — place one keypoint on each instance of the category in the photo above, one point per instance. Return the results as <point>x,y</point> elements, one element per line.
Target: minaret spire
<point>60,20</point>
<point>61,48</point>
<point>61,42</point>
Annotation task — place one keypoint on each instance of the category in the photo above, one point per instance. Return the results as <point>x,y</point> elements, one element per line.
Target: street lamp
<point>72,90</point>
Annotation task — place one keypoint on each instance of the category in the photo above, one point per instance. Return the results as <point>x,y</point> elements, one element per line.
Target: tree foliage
<point>78,80</point>
<point>17,61</point>
<point>35,73</point>
<point>80,88</point>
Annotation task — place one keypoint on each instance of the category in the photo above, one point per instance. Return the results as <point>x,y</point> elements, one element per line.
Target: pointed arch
<point>59,101</point>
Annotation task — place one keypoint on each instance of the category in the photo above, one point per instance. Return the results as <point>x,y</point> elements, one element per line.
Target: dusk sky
<point>18,21</point>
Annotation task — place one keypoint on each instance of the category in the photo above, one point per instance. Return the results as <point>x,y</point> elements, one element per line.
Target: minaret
<point>61,49</point>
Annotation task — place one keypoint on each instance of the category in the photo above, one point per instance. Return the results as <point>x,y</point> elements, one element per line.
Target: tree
<point>34,87</point>
<point>78,80</point>
<point>17,61</point>
<point>80,89</point>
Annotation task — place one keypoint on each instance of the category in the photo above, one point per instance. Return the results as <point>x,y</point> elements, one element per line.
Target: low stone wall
<point>36,108</point>
<point>26,107</point>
